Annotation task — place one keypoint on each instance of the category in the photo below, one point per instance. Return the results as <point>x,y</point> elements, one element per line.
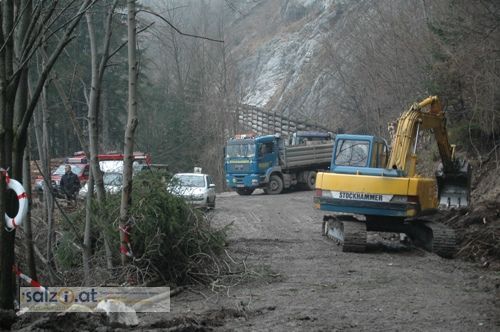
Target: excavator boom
<point>453,175</point>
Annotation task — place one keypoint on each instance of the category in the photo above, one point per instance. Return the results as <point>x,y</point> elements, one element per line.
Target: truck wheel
<point>311,180</point>
<point>275,185</point>
<point>244,192</point>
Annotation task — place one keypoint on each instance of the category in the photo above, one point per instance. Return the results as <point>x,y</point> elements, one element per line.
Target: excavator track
<point>444,241</point>
<point>347,232</point>
<point>434,237</point>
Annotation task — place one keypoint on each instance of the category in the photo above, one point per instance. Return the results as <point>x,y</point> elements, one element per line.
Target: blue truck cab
<point>249,160</point>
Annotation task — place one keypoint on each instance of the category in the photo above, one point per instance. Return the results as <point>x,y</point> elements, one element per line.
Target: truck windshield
<point>351,153</point>
<point>240,150</point>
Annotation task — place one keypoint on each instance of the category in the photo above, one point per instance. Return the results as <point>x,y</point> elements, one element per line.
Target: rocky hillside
<point>357,64</point>
<point>279,49</point>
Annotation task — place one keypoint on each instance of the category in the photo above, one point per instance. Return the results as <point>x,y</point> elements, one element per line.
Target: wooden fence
<point>263,122</point>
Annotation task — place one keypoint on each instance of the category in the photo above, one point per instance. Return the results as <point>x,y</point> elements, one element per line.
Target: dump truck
<point>370,188</point>
<point>265,162</point>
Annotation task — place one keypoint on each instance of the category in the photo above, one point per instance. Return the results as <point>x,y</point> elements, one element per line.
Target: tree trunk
<point>20,105</point>
<point>106,140</point>
<point>87,250</point>
<point>42,141</point>
<point>93,110</point>
<point>132,122</point>
<point>49,199</point>
<point>28,233</point>
<point>97,71</point>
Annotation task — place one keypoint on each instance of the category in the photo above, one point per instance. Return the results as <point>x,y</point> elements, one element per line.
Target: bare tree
<point>87,250</point>
<point>28,233</point>
<point>43,151</point>
<point>14,122</point>
<point>20,105</point>
<point>132,122</point>
<point>97,70</point>
<point>98,67</point>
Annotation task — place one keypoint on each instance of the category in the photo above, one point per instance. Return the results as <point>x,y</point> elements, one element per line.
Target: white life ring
<point>22,198</point>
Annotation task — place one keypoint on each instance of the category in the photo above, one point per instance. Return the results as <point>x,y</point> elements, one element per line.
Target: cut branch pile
<point>478,232</point>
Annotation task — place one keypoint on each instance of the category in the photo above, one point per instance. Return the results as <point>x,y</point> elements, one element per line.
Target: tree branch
<point>177,30</point>
<point>122,45</point>
<point>11,32</point>
<point>23,126</point>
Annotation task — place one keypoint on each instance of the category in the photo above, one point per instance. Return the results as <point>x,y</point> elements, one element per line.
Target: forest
<point>379,58</point>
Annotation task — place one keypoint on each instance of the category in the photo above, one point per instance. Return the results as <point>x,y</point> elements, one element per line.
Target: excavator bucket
<point>454,187</point>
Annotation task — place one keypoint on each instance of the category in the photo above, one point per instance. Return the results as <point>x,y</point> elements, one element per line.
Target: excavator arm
<point>453,175</point>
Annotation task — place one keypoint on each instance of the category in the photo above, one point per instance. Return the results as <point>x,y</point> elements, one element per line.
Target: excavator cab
<point>359,154</point>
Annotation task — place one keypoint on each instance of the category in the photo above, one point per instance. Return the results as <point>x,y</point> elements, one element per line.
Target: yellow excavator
<point>370,189</point>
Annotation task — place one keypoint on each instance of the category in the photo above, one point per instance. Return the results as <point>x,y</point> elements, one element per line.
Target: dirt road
<point>305,282</point>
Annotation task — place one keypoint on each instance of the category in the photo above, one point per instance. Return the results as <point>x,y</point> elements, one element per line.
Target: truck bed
<point>303,156</point>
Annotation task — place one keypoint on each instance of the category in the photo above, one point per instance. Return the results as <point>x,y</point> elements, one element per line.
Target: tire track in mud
<point>383,289</point>
<point>307,283</point>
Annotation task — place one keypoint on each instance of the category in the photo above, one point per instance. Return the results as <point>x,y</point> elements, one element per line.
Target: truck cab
<point>248,160</point>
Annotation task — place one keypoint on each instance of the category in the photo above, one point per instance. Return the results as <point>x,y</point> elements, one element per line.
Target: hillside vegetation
<point>353,66</point>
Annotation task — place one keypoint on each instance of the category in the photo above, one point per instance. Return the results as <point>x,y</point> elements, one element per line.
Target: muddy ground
<point>299,280</point>
<point>287,277</point>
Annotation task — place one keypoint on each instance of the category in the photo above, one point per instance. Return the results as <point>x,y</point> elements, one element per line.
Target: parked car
<point>196,188</point>
<point>113,182</point>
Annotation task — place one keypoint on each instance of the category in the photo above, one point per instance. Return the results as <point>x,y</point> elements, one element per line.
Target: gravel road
<point>303,281</point>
